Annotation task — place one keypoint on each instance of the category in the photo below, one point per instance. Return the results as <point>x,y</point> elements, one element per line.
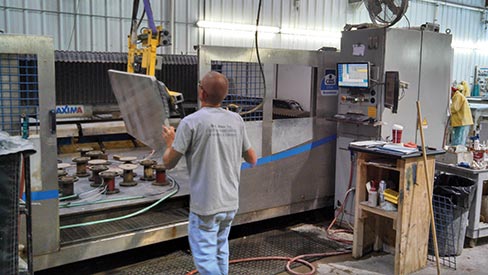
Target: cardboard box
<point>455,158</point>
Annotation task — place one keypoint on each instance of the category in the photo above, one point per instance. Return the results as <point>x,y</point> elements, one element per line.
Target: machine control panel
<point>361,98</point>
<point>364,98</point>
<point>358,92</point>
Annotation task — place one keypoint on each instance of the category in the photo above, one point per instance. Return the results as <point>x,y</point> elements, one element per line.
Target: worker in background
<point>213,141</point>
<point>461,118</point>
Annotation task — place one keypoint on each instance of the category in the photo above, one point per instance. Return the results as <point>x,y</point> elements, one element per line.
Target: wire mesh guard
<point>246,86</point>
<point>19,91</point>
<point>9,177</point>
<point>444,228</point>
<point>285,243</point>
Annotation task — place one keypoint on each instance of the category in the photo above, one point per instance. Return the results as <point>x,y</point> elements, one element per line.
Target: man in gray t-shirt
<point>213,141</point>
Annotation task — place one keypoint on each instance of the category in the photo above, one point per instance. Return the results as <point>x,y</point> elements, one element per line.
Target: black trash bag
<point>460,190</point>
<point>9,201</point>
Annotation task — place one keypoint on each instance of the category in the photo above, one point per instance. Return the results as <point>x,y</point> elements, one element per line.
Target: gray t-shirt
<point>213,140</point>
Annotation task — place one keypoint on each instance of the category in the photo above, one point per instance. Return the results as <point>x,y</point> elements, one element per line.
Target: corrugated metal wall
<point>102,25</point>
<point>82,78</point>
<point>95,25</point>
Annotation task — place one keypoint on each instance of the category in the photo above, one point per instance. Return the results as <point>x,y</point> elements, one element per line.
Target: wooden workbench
<point>405,230</point>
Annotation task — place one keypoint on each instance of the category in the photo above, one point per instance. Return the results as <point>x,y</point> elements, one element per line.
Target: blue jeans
<point>208,236</point>
<point>459,135</point>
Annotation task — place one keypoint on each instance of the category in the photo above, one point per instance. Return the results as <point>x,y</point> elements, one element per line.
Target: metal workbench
<point>475,229</point>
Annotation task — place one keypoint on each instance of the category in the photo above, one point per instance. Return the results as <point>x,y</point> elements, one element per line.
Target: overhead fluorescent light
<point>482,46</point>
<point>314,33</point>
<point>236,27</point>
<point>470,46</point>
<point>466,45</point>
<point>267,29</point>
<point>237,35</point>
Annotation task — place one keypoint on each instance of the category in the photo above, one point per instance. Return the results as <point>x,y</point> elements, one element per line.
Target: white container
<point>372,197</point>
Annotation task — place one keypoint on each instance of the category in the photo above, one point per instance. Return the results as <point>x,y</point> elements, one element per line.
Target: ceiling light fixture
<point>236,27</point>
<point>313,33</point>
<point>268,29</point>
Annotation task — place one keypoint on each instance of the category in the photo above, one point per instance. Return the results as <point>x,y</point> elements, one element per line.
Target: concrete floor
<point>472,261</point>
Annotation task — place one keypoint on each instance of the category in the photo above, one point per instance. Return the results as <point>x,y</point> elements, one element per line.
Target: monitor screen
<point>353,75</point>
<point>392,87</point>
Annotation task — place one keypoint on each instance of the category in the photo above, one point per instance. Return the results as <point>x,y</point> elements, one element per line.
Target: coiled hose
<point>175,189</point>
<point>290,261</point>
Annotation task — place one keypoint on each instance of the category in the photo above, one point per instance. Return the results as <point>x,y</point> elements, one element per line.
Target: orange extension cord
<point>330,232</point>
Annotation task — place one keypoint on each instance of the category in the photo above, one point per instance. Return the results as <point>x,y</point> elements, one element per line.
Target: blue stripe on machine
<point>43,195</point>
<point>291,152</point>
<point>54,194</point>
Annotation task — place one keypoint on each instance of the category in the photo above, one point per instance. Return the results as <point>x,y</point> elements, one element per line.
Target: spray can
<point>381,192</point>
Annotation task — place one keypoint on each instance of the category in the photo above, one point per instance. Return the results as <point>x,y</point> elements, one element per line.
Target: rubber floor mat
<point>286,242</point>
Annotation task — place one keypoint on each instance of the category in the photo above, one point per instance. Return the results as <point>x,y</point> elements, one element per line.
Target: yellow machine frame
<point>150,43</point>
<point>147,51</point>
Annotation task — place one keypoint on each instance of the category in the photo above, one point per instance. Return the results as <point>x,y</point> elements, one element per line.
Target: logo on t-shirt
<point>222,130</point>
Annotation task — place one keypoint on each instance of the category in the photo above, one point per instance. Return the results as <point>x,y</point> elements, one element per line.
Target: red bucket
<point>478,155</point>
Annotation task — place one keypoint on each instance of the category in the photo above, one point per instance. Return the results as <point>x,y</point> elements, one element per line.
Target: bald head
<point>215,86</point>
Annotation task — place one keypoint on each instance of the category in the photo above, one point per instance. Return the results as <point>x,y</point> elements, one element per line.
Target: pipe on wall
<point>436,13</point>
<point>456,5</point>
<point>172,24</point>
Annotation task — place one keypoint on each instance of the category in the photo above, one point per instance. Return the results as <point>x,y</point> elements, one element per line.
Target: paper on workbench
<point>142,106</point>
<point>367,143</point>
<point>400,148</point>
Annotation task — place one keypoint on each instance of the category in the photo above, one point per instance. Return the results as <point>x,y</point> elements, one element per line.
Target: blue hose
<point>150,18</point>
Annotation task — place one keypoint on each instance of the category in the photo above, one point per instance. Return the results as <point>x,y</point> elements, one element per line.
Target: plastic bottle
<point>372,197</point>
<point>476,144</point>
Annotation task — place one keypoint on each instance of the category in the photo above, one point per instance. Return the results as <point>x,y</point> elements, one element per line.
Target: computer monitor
<point>392,88</point>
<point>353,75</point>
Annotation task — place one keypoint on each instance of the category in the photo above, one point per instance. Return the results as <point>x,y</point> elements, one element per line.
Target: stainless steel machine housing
<point>294,173</point>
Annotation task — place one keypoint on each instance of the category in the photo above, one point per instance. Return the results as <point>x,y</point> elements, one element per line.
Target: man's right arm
<point>250,156</point>
<point>170,156</point>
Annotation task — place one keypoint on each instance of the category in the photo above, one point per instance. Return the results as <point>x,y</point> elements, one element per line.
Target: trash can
<point>12,149</point>
<point>9,201</point>
<point>460,191</point>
